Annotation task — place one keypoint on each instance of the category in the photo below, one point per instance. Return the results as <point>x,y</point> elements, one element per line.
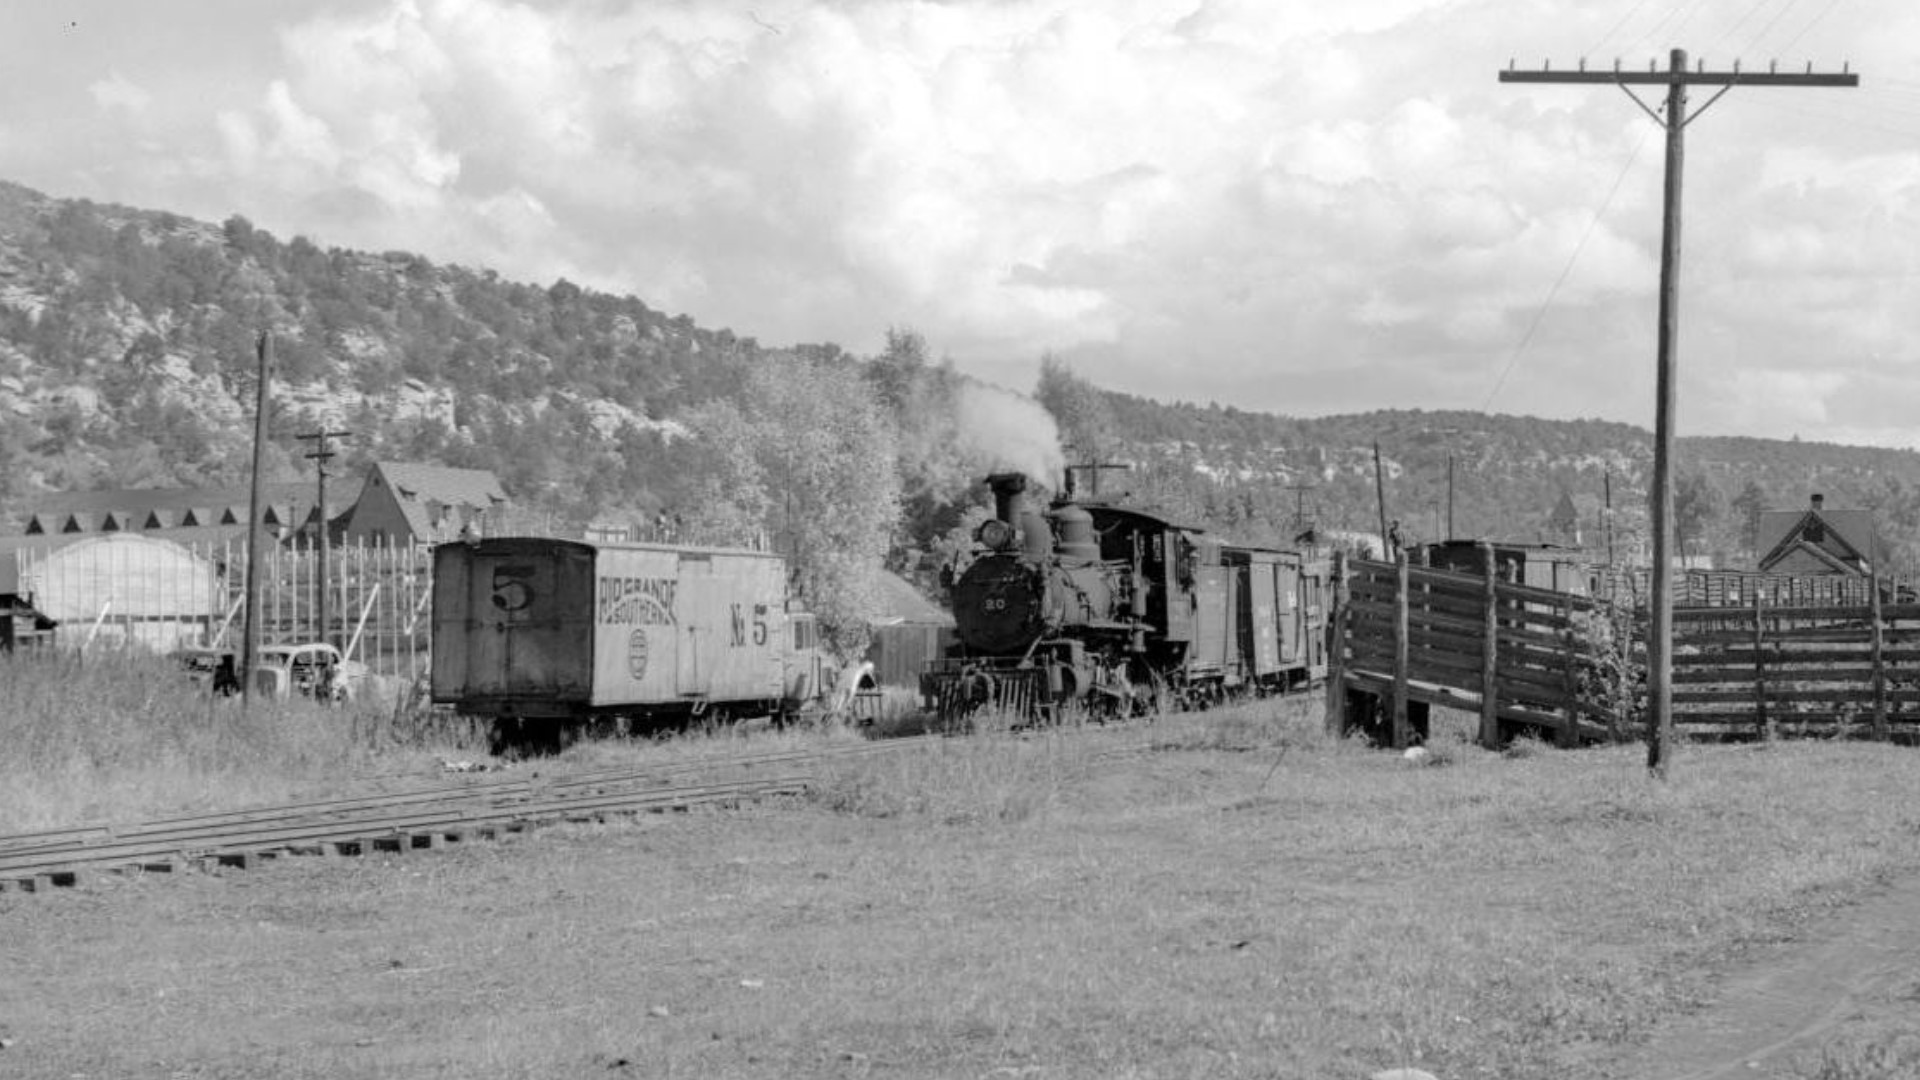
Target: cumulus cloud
<point>1295,207</point>
<point>117,92</point>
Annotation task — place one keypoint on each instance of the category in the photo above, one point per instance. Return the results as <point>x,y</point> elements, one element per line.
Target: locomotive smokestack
<point>1007,487</point>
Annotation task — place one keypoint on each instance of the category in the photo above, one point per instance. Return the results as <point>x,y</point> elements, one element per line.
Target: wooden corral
<point>1827,670</point>
<point>1526,659</point>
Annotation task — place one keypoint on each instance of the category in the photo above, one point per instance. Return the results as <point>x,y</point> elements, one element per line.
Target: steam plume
<point>1000,430</point>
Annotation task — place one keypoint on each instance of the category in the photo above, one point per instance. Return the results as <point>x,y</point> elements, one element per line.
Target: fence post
<point>1879,662</point>
<point>1490,654</point>
<point>1760,715</point>
<point>1569,678</point>
<point>1336,631</point>
<point>1401,661</point>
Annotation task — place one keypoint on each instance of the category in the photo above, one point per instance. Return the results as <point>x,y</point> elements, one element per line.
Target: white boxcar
<point>539,628</point>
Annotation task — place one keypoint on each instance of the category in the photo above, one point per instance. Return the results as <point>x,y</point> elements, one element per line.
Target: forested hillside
<point>127,352</point>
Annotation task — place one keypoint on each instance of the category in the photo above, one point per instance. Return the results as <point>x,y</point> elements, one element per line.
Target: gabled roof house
<point>1816,540</point>
<point>404,503</point>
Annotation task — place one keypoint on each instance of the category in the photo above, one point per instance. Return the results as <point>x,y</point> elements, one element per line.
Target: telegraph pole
<point>320,457</point>
<point>1300,506</point>
<point>262,404</point>
<point>1676,79</point>
<point>1380,492</point>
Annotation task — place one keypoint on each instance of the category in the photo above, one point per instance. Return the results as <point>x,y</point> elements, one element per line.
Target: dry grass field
<point>1228,894</point>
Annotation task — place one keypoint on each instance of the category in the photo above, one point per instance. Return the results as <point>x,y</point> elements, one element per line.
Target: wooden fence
<point>1740,588</point>
<point>1828,670</point>
<point>1405,637</point>
<point>377,600</point>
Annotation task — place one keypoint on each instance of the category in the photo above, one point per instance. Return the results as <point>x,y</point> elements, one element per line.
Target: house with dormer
<point>406,503</point>
<point>1816,540</point>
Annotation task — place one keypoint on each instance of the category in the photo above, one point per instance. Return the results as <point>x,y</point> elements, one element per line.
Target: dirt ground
<point>1774,1009</point>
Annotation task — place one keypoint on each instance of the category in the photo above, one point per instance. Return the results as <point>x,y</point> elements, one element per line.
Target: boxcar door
<point>1313,599</point>
<point>1289,615</point>
<point>513,619</point>
<point>1264,626</point>
<point>702,619</point>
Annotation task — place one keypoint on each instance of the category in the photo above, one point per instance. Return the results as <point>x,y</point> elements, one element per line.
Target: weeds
<point>118,734</point>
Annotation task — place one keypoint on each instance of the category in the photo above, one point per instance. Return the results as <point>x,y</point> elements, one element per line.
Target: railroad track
<point>430,817</point>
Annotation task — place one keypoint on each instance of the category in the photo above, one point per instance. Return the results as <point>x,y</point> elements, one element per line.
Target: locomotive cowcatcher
<point>1118,611</point>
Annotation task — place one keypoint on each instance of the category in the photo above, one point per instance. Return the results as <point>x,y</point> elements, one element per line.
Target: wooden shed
<point>909,631</point>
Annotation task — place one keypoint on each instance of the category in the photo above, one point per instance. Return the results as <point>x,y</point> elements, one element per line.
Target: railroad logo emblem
<point>637,655</point>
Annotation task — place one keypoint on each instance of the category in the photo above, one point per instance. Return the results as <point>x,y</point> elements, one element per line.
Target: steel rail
<point>37,860</point>
<point>427,816</point>
<point>220,842</point>
<point>477,788</point>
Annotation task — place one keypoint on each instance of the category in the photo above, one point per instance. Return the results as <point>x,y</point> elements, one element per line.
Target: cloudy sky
<point>1302,208</point>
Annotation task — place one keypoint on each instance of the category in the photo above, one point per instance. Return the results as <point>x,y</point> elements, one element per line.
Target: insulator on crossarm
<point>1616,65</point>
<point>1583,63</point>
<point>1736,67</point>
<point>1773,67</point>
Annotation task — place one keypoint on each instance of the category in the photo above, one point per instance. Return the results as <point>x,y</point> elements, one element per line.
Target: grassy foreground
<point>123,735</point>
<point>1229,894</point>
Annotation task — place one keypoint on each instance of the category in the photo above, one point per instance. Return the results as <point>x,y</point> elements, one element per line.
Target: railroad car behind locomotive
<point>1120,610</point>
<point>537,634</point>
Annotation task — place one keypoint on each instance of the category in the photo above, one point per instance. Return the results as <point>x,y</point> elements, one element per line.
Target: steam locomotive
<point>1118,611</point>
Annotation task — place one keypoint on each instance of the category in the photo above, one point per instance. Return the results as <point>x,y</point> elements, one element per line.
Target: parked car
<point>312,668</point>
<point>209,666</point>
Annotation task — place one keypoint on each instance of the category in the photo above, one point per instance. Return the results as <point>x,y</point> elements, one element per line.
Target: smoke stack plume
<point>1001,431</point>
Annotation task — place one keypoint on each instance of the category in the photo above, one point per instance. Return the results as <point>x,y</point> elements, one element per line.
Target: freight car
<point>540,635</point>
<point>1117,611</point>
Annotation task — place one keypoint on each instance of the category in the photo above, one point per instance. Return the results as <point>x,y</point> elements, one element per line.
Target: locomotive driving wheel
<point>1151,695</point>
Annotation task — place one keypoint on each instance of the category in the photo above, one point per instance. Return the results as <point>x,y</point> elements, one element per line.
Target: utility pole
<point>1380,493</point>
<point>262,403</point>
<point>1300,506</point>
<point>320,456</point>
<point>1676,79</point>
<point>1607,515</point>
<point>1449,496</point>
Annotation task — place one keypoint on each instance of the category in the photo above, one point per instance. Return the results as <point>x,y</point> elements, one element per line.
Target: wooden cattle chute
<point>1762,670</point>
<point>1523,657</point>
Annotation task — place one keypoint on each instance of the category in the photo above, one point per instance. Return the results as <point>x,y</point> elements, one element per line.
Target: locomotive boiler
<point>1116,610</point>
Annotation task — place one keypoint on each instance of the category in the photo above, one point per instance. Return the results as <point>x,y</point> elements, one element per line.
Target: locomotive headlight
<point>995,534</point>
